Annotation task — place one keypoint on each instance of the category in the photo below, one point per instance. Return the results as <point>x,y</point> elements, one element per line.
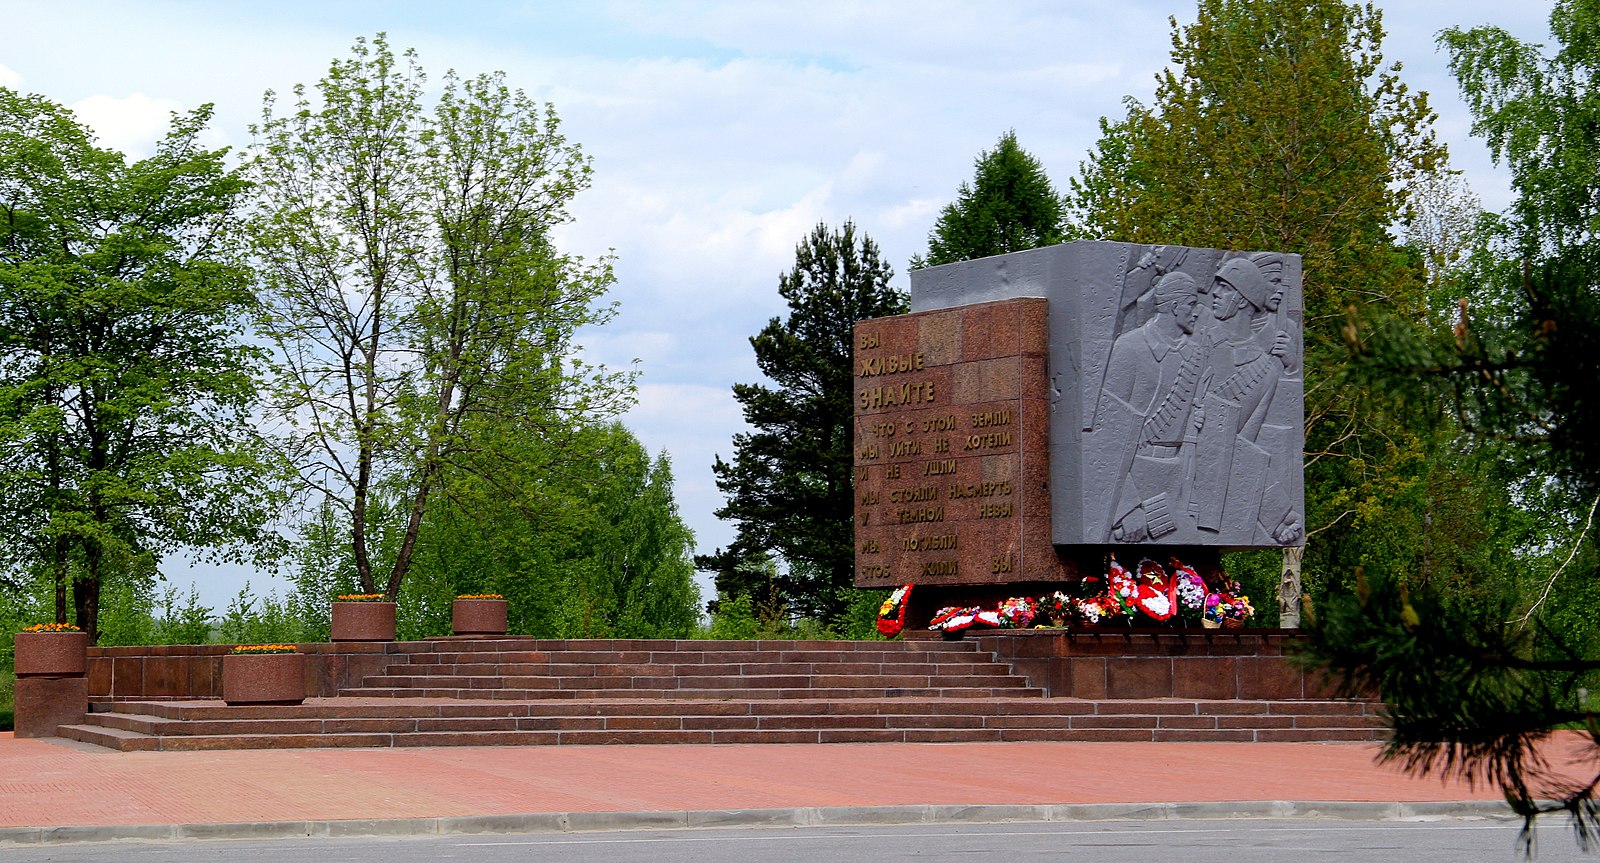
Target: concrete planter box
<point>478,617</point>
<point>264,678</point>
<point>52,654</point>
<point>363,621</point>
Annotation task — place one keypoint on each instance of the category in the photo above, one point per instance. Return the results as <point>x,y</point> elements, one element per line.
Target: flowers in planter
<point>262,649</point>
<point>51,627</point>
<point>1229,608</point>
<point>1057,606</point>
<point>363,597</point>
<point>480,596</point>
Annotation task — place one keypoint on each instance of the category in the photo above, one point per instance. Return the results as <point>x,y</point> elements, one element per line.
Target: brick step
<point>743,694</point>
<point>129,741</point>
<point>604,650</point>
<point>692,657</point>
<point>668,683</point>
<point>347,722</point>
<point>673,669</point>
<point>158,727</point>
<point>353,708</point>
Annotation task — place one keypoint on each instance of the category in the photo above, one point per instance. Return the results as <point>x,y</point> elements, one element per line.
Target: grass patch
<point>8,682</point>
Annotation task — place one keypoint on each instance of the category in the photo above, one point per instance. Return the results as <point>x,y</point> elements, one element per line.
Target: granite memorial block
<point>951,447</point>
<point>1173,381</point>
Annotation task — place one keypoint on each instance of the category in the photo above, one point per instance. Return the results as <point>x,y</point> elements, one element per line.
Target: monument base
<point>45,703</point>
<point>1197,664</point>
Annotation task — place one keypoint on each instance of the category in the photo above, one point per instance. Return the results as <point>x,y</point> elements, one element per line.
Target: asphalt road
<point>1196,841</point>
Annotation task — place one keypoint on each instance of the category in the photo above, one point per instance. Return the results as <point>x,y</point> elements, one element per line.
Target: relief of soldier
<point>1200,391</point>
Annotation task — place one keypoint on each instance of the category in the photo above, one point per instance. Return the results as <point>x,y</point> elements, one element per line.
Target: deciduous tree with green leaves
<point>789,486</point>
<point>1279,126</point>
<point>592,548</point>
<point>1010,206</point>
<point>126,389</point>
<point>1476,683</point>
<point>413,293</point>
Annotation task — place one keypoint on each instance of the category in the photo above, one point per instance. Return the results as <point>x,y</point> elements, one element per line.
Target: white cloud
<point>10,78</point>
<point>132,124</point>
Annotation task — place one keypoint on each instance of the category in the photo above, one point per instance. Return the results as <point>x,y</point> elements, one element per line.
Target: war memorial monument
<point>1041,412</point>
<point>1037,418</point>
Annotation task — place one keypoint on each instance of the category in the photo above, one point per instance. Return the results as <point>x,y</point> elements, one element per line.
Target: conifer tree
<point>789,484</point>
<point>1010,206</point>
<point>1474,684</point>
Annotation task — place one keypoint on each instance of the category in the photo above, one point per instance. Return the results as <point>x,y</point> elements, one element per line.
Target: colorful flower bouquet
<point>1228,610</point>
<point>892,614</point>
<point>1018,612</point>
<point>1191,590</point>
<point>1095,609</point>
<point>1123,589</point>
<point>1058,607</point>
<point>363,597</point>
<point>479,596</point>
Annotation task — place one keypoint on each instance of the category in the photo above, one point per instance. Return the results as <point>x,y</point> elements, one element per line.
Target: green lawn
<point>7,681</point>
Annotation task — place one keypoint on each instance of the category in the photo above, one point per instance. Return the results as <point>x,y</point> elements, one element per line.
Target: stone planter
<point>52,654</point>
<point>363,621</point>
<point>264,678</point>
<point>478,617</point>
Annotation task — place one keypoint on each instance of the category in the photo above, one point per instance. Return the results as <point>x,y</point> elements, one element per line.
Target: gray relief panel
<point>1177,415</point>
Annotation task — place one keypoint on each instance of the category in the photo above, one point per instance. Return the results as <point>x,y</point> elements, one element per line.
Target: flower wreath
<point>892,614</point>
<point>1156,593</point>
<point>1123,589</point>
<point>956,618</point>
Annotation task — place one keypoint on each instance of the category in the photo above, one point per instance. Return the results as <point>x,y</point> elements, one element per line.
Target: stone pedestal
<point>264,678</point>
<point>51,654</point>
<point>44,703</point>
<point>363,621</point>
<point>478,617</point>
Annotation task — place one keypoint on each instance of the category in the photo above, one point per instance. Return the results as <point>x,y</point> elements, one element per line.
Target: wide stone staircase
<point>524,691</point>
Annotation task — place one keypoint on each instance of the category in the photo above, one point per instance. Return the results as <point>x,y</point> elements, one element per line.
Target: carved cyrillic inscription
<point>948,443</point>
<point>942,542</point>
<point>910,393</point>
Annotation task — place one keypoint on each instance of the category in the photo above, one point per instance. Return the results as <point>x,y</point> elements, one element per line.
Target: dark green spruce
<point>789,486</point>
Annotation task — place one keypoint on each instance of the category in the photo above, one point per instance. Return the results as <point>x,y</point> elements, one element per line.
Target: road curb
<point>804,816</point>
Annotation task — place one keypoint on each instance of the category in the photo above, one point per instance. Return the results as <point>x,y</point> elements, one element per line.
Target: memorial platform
<point>1029,686</point>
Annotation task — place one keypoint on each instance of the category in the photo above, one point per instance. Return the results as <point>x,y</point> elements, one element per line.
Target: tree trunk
<point>60,571</point>
<point>1289,588</point>
<point>86,593</point>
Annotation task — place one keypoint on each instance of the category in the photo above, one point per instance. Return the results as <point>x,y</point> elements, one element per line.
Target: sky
<point>720,132</point>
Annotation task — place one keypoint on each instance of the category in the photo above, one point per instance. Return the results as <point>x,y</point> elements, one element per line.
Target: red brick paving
<point>49,782</point>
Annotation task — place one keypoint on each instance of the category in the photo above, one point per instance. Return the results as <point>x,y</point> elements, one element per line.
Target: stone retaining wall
<point>195,671</point>
<point>1195,664</point>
